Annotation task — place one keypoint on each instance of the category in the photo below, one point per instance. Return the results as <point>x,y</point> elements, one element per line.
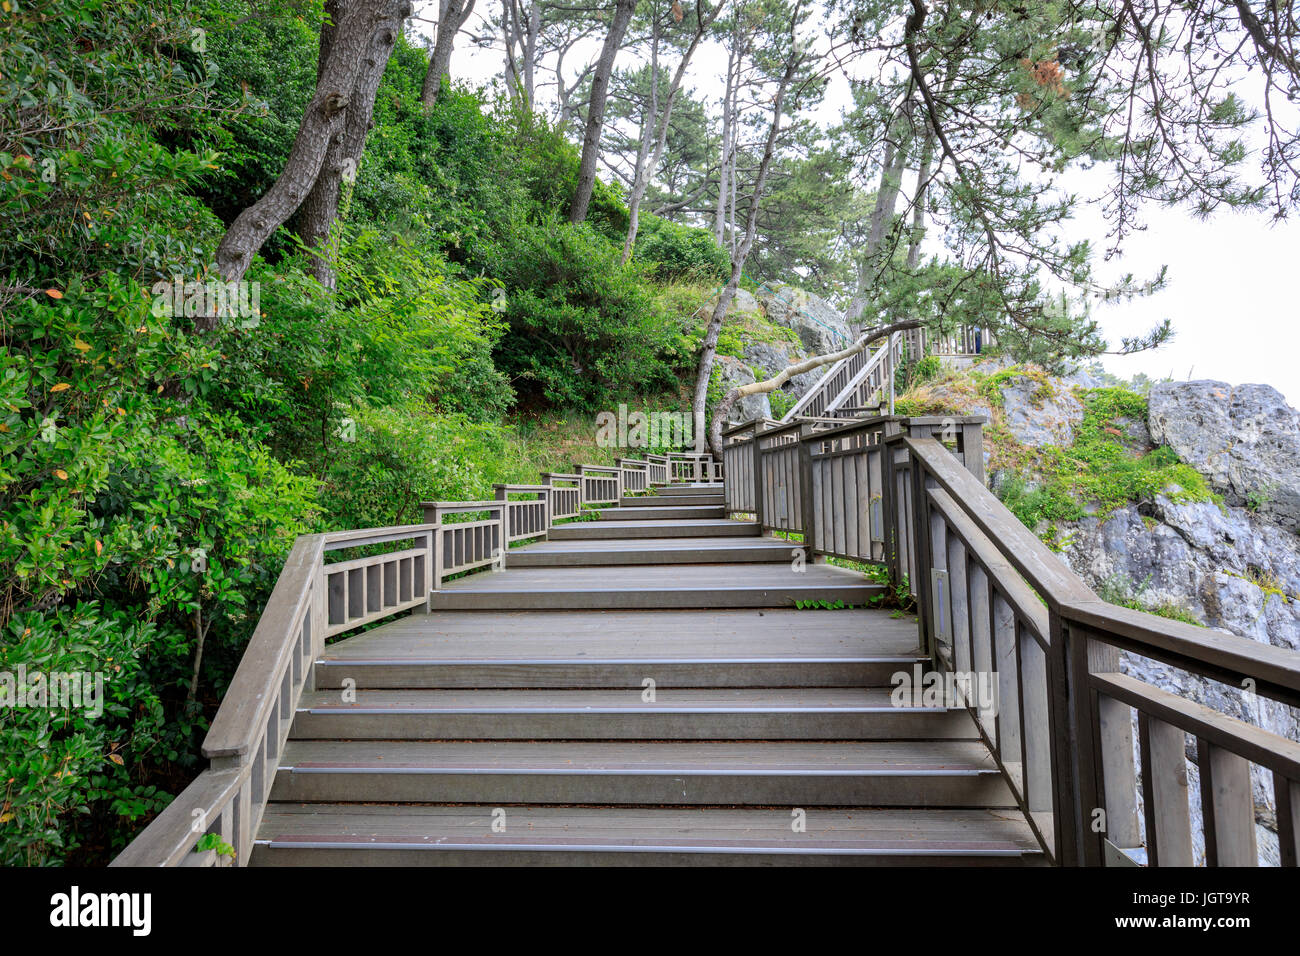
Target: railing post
<point>972,448</point>
<point>503,496</point>
<point>433,515</point>
<point>1068,705</point>
<point>807,506</point>
<point>757,472</point>
<point>924,561</point>
<point>890,514</point>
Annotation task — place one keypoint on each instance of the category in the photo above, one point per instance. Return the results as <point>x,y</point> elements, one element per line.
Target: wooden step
<point>682,488</point>
<point>707,498</point>
<point>413,835</point>
<point>649,587</point>
<point>554,554</point>
<point>638,512</point>
<point>614,527</point>
<point>907,774</point>
<point>820,713</point>
<point>602,649</point>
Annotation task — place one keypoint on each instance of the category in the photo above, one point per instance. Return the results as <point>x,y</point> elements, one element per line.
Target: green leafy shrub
<point>674,251</point>
<point>583,328</point>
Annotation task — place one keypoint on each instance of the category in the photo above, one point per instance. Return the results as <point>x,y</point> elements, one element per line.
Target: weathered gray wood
<point>1168,813</point>
<point>1227,795</point>
<point>1119,777</point>
<point>342,834</point>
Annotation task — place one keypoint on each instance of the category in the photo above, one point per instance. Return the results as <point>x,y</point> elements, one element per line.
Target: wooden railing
<point>312,599</point>
<point>857,383</point>
<point>963,340</point>
<point>691,467</point>
<point>993,600</point>
<point>316,598</point>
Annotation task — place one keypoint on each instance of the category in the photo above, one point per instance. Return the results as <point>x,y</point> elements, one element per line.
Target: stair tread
<point>671,700</point>
<point>975,831</point>
<point>664,635</point>
<point>597,545</point>
<point>635,578</point>
<point>709,758</point>
<point>643,522</point>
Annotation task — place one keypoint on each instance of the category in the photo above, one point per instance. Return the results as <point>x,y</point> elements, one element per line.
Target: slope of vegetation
<point>153,476</point>
<point>1099,471</point>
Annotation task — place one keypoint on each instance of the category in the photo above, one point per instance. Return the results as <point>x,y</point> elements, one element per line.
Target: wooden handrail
<point>991,597</point>
<point>240,719</point>
<point>311,600</point>
<point>977,560</point>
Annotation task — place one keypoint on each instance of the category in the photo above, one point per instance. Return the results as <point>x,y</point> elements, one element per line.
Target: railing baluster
<point>1119,780</point>
<point>1229,811</point>
<point>1165,793</point>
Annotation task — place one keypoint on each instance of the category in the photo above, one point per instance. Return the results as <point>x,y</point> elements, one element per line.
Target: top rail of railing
<point>994,601</point>
<point>213,821</point>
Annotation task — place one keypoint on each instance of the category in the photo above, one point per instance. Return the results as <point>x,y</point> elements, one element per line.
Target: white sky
<point>1231,286</point>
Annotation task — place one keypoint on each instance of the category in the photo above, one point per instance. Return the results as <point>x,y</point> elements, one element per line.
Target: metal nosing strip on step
<point>281,843</point>
<point>643,772</point>
<point>649,661</point>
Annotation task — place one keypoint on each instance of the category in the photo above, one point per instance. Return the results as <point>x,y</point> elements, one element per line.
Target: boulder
<point>744,301</point>
<point>1229,568</point>
<point>820,326</point>
<point>771,358</point>
<point>1037,414</point>
<point>732,373</point>
<point>1245,439</point>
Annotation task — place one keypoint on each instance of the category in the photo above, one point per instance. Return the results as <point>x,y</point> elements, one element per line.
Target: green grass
<point>1099,468</point>
<point>1119,590</point>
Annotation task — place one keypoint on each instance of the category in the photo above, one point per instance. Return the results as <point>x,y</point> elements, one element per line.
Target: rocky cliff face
<point>1231,565</point>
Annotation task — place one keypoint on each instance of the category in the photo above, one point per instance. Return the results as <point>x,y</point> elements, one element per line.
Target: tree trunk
<point>320,208</point>
<point>649,129</point>
<point>322,121</point>
<point>451,18</point>
<point>724,167</point>
<point>646,169</point>
<point>596,110</point>
<point>708,351</point>
<point>882,213</point>
<point>918,200</point>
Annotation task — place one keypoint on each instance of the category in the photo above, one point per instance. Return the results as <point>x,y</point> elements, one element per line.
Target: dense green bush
<point>583,327</point>
<point>673,251</point>
<point>152,474</point>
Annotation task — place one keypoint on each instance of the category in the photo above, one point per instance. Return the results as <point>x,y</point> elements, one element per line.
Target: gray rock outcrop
<point>820,326</point>
<point>1245,439</point>
<point>732,373</point>
<point>1038,415</point>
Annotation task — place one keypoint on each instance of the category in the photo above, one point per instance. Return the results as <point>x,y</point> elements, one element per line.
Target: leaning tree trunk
<point>709,349</point>
<point>882,213</point>
<point>649,122</point>
<point>645,168</point>
<point>320,209</point>
<point>452,17</point>
<point>322,121</point>
<point>807,365</point>
<point>596,110</point>
<point>720,211</point>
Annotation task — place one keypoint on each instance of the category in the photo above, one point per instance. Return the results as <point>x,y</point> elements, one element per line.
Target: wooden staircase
<point>512,682</point>
<point>636,690</point>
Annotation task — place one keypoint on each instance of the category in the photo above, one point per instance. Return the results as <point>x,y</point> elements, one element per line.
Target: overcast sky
<point>1231,289</point>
